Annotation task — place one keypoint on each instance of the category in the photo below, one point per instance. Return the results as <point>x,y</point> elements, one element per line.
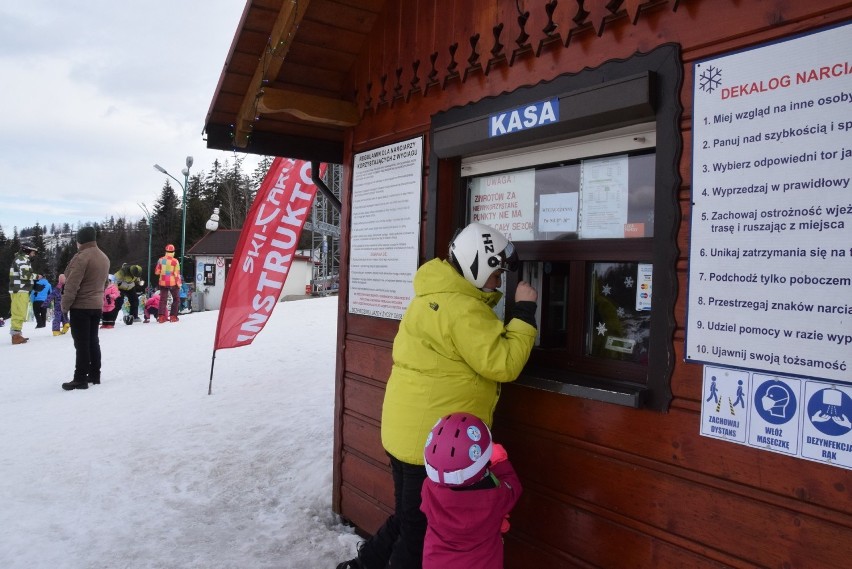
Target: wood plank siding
<point>604,485</point>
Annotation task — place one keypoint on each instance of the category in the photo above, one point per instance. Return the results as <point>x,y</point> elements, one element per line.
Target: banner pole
<point>212,362</point>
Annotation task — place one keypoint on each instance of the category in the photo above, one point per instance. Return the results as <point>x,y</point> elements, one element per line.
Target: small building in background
<point>213,255</point>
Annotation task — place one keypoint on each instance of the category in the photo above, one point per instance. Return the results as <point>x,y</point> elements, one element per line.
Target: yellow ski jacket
<point>451,354</point>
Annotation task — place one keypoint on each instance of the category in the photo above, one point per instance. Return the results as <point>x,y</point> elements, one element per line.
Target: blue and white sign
<point>775,412</point>
<point>525,117</point>
<point>803,418</point>
<point>723,411</point>
<point>827,427</point>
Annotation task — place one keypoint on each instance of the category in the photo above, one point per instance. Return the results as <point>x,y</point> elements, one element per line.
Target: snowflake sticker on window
<point>710,79</point>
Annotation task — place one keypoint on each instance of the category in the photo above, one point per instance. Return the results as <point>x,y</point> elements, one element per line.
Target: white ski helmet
<point>478,250</point>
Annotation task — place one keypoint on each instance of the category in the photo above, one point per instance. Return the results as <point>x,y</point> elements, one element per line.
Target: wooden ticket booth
<point>673,174</point>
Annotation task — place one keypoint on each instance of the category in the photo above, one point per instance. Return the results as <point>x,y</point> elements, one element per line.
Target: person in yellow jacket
<point>168,269</point>
<point>451,354</point>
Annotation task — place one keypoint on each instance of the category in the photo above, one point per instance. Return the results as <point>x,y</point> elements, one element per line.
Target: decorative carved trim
<point>524,49</point>
<point>615,13</point>
<point>473,65</point>
<point>497,55</point>
<point>580,24</point>
<point>431,77</point>
<point>383,92</point>
<point>452,74</point>
<point>397,88</point>
<point>550,38</point>
<point>368,101</point>
<point>635,8</point>
<point>414,85</point>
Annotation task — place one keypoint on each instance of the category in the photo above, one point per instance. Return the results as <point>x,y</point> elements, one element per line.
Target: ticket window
<point>590,195</point>
<point>584,232</point>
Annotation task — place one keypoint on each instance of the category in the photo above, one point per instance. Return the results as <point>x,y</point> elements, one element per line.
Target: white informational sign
<point>770,262</point>
<point>558,212</point>
<point>506,202</point>
<point>811,420</point>
<point>385,228</point>
<point>603,206</point>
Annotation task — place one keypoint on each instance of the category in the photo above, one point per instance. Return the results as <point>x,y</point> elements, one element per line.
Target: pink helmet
<point>457,450</point>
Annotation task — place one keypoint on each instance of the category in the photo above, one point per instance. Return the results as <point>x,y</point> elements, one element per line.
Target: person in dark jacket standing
<point>83,300</point>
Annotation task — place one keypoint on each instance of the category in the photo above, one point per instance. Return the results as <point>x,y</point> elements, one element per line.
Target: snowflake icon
<point>628,282</point>
<point>620,312</point>
<point>601,328</point>
<point>710,79</point>
<point>605,290</point>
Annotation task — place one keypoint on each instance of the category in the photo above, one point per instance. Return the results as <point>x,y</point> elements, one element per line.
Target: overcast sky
<point>94,92</point>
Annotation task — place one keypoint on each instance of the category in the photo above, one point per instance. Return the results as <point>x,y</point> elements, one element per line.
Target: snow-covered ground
<point>147,470</point>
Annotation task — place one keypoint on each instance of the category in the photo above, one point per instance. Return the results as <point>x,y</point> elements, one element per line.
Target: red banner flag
<point>265,251</point>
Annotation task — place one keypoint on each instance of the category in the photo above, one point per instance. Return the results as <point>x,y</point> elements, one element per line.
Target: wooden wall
<point>605,486</point>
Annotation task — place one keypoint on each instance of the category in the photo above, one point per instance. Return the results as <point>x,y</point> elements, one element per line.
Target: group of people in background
<point>87,298</point>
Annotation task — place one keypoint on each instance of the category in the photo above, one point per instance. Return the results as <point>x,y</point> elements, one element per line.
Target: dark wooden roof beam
<point>268,66</point>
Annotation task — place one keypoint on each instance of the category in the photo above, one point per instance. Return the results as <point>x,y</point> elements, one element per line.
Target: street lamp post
<point>150,229</point>
<point>183,186</point>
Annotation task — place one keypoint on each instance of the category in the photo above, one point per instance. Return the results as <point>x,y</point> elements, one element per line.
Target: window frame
<point>640,89</point>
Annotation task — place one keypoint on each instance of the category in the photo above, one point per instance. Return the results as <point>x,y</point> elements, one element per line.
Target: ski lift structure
<point>324,225</point>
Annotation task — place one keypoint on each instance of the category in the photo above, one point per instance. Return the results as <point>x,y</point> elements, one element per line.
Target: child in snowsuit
<point>60,322</point>
<point>470,490</point>
<point>38,297</point>
<point>111,307</point>
<point>152,306</point>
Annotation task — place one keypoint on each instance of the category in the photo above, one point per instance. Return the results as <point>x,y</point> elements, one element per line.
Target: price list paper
<point>770,264</point>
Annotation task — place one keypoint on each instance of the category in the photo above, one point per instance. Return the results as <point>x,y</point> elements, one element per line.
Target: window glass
<point>608,197</point>
<point>620,317</point>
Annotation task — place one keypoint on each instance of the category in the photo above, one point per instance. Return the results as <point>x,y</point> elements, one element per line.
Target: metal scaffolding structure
<point>324,226</point>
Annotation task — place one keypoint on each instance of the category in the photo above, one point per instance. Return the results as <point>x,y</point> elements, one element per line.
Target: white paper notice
<point>558,212</point>
<point>385,228</point>
<point>506,202</point>
<point>770,263</point>
<point>603,205</point>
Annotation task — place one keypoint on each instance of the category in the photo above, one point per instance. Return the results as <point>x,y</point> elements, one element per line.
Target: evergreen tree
<point>166,220</point>
<point>40,263</point>
<point>197,211</point>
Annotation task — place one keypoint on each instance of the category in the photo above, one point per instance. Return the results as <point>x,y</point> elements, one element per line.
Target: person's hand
<point>498,453</point>
<point>525,292</point>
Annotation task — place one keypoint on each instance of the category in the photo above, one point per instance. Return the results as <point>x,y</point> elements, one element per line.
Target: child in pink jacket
<point>470,490</point>
<point>152,307</point>
<point>111,307</point>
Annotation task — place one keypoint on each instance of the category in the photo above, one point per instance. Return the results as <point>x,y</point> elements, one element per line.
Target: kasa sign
<point>522,118</point>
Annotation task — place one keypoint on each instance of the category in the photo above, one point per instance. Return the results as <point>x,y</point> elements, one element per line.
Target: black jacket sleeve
<point>525,310</point>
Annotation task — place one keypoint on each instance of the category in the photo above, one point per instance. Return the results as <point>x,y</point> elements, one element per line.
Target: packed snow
<point>147,470</point>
